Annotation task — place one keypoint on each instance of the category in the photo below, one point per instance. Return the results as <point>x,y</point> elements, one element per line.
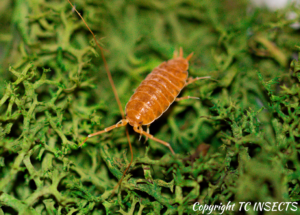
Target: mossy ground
<point>54,91</point>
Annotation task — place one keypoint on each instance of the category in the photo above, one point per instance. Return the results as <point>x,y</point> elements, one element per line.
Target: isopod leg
<point>123,122</point>
<point>192,80</point>
<point>140,134</point>
<point>140,131</point>
<point>180,52</point>
<point>189,56</point>
<point>148,131</point>
<point>175,54</point>
<point>185,97</point>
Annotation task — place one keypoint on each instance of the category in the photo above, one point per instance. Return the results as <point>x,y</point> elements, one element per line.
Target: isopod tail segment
<point>175,55</point>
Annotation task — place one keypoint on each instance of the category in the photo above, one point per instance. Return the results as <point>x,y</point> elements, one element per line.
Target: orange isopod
<point>155,95</point>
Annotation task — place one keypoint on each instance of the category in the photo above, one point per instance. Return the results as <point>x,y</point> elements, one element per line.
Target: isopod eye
<point>141,122</point>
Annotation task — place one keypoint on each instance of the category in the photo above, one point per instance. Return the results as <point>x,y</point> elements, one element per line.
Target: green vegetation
<point>54,92</point>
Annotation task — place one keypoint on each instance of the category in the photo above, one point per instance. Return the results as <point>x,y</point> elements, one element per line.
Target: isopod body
<point>157,92</point>
<point>154,96</point>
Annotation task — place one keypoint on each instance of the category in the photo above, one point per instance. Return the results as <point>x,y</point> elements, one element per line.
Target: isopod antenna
<point>115,93</point>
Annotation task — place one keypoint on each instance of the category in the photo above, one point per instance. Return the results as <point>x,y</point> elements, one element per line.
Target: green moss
<point>55,91</point>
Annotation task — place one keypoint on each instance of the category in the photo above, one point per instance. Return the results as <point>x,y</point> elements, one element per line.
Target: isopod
<point>153,97</point>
